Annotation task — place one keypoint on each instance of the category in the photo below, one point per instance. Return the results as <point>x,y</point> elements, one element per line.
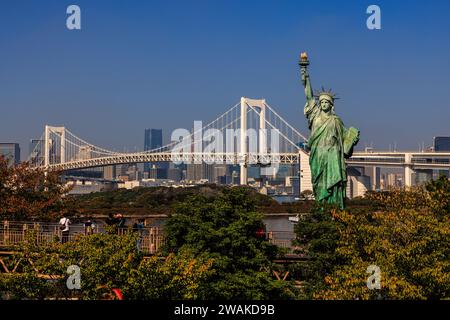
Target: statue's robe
<point>326,157</point>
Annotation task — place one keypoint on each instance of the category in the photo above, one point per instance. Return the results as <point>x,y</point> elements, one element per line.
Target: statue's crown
<point>326,94</point>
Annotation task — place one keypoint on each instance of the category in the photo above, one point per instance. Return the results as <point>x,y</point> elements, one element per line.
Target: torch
<point>303,63</point>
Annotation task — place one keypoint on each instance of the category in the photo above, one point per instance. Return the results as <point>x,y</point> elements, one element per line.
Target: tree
<point>439,200</point>
<point>407,238</point>
<point>307,194</point>
<point>226,229</point>
<point>106,262</point>
<point>27,193</point>
<point>316,240</point>
<point>179,276</point>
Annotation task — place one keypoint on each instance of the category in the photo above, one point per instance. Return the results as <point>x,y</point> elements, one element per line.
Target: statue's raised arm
<point>303,63</point>
<point>311,109</point>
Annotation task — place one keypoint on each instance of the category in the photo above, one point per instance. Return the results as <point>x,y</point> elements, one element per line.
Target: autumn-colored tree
<point>106,262</point>
<point>178,276</point>
<point>29,193</point>
<point>410,248</point>
<point>407,238</point>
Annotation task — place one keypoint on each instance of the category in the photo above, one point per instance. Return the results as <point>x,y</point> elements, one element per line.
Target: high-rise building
<point>153,140</point>
<point>109,172</point>
<point>422,176</point>
<point>199,171</point>
<point>157,173</point>
<point>305,173</point>
<point>394,180</point>
<point>121,169</point>
<point>36,151</point>
<point>133,172</point>
<point>11,152</point>
<point>442,144</point>
<point>219,174</point>
<point>293,183</point>
<point>235,180</point>
<point>174,174</point>
<point>357,183</point>
<point>253,172</point>
<point>374,173</point>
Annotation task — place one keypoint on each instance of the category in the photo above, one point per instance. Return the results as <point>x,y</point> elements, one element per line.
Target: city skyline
<point>157,66</point>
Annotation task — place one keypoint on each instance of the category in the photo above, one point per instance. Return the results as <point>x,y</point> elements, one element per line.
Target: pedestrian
<point>88,227</point>
<point>112,221</point>
<point>120,224</point>
<point>93,226</point>
<point>64,226</point>
<point>135,225</point>
<point>138,227</point>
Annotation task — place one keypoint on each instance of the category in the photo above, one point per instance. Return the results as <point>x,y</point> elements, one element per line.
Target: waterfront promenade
<point>13,233</point>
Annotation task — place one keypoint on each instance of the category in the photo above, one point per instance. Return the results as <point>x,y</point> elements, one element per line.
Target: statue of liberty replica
<point>330,143</point>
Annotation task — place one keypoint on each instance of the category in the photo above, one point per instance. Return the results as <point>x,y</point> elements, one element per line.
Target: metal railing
<point>281,239</point>
<point>151,239</point>
<point>14,233</point>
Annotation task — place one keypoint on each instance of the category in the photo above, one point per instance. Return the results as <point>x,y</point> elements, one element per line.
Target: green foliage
<point>158,200</point>
<point>411,248</point>
<point>179,277</point>
<point>398,198</point>
<point>20,286</point>
<point>225,229</point>
<point>407,237</point>
<point>317,240</point>
<point>106,262</point>
<point>439,191</point>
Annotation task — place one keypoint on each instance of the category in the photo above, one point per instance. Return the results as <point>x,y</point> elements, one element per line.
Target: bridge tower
<point>50,143</point>
<point>245,104</point>
<point>408,170</point>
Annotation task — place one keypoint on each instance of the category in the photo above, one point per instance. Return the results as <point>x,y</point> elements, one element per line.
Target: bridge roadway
<point>212,158</point>
<point>415,160</point>
<point>412,160</point>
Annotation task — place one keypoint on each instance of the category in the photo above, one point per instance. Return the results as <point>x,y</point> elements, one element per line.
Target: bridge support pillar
<point>51,143</point>
<point>243,174</point>
<point>243,141</point>
<point>46,146</point>
<point>408,170</point>
<point>262,144</point>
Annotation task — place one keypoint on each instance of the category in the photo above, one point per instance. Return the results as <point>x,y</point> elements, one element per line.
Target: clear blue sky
<point>163,64</point>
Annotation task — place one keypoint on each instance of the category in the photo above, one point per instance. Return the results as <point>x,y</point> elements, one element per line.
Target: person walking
<point>64,226</point>
<point>89,227</point>
<point>139,227</point>
<point>121,227</point>
<point>112,222</point>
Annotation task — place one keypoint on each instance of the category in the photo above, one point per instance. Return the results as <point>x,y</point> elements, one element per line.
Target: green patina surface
<point>329,143</point>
